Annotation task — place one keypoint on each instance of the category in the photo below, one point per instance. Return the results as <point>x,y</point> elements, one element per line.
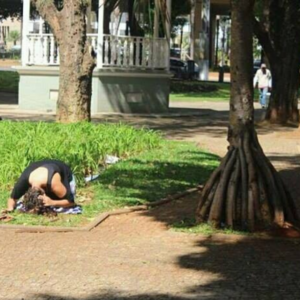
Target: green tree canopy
<point>10,8</point>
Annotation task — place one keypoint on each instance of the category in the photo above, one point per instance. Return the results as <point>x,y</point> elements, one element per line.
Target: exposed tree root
<point>245,192</point>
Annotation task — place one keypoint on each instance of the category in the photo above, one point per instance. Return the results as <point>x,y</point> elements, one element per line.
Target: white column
<point>204,41</point>
<point>100,34</point>
<point>41,23</point>
<point>41,43</point>
<point>25,41</point>
<point>201,36</point>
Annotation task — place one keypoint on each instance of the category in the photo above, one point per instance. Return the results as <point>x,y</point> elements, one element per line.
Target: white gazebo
<point>132,73</point>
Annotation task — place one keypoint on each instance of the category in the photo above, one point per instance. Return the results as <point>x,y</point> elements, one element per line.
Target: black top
<point>53,166</point>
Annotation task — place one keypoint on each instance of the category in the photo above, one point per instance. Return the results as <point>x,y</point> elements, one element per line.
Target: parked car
<point>15,48</point>
<point>175,53</point>
<point>184,69</point>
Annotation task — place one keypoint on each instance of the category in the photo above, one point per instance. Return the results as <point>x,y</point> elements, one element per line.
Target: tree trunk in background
<point>283,108</point>
<point>245,192</point>
<point>278,32</point>
<point>181,40</point>
<point>76,61</point>
<point>135,29</point>
<point>109,8</point>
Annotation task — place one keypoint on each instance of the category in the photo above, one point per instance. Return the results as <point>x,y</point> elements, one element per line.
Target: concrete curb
<point>100,219</point>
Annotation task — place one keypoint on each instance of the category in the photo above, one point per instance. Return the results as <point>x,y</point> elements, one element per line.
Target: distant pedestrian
<point>263,79</point>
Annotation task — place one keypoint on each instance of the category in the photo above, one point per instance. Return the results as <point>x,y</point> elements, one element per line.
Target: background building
<point>6,27</point>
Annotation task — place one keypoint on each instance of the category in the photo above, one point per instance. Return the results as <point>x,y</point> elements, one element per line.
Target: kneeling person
<point>54,177</point>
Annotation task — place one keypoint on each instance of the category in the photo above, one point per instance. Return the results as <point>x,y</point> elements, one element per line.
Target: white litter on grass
<point>109,160</point>
<point>91,177</point>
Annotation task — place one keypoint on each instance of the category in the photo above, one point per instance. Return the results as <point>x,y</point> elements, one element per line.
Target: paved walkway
<point>137,256</point>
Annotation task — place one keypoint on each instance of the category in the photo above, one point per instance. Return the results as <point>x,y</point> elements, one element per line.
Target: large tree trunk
<point>76,61</point>
<point>283,108</point>
<point>278,32</point>
<point>245,192</point>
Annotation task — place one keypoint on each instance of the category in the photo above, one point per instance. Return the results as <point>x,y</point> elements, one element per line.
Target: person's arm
<point>18,191</point>
<point>11,204</point>
<point>58,203</point>
<point>61,190</point>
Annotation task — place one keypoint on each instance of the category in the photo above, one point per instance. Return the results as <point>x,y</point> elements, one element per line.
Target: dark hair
<point>33,204</point>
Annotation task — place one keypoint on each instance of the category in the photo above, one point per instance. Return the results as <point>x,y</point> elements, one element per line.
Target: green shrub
<point>180,86</point>
<point>83,145</point>
<point>9,81</point>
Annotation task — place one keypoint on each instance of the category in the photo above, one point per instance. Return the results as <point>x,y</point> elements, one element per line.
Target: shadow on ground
<point>246,268</point>
<point>239,268</point>
<point>192,122</point>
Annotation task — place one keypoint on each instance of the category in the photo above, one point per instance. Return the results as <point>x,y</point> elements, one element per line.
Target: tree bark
<point>283,108</point>
<point>278,32</point>
<point>181,40</point>
<point>245,192</point>
<point>76,61</point>
<point>135,29</point>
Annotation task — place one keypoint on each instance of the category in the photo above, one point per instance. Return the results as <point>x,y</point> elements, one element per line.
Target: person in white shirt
<point>263,79</point>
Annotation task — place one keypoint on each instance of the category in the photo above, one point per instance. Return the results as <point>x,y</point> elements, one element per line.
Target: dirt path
<point>137,256</point>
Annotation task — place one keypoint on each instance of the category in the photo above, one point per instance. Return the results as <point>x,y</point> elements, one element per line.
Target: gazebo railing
<point>117,51</point>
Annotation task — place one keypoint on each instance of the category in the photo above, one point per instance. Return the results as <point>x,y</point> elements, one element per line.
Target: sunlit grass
<point>197,91</point>
<point>83,146</point>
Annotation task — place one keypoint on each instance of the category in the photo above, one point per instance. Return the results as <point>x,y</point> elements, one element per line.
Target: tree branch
<point>49,13</point>
<point>263,38</point>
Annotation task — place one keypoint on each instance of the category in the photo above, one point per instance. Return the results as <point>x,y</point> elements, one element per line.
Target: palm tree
<point>14,36</point>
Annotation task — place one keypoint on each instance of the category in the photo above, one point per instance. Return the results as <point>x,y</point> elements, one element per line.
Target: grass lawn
<point>195,91</point>
<point>191,91</point>
<point>147,173</point>
<point>9,81</point>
